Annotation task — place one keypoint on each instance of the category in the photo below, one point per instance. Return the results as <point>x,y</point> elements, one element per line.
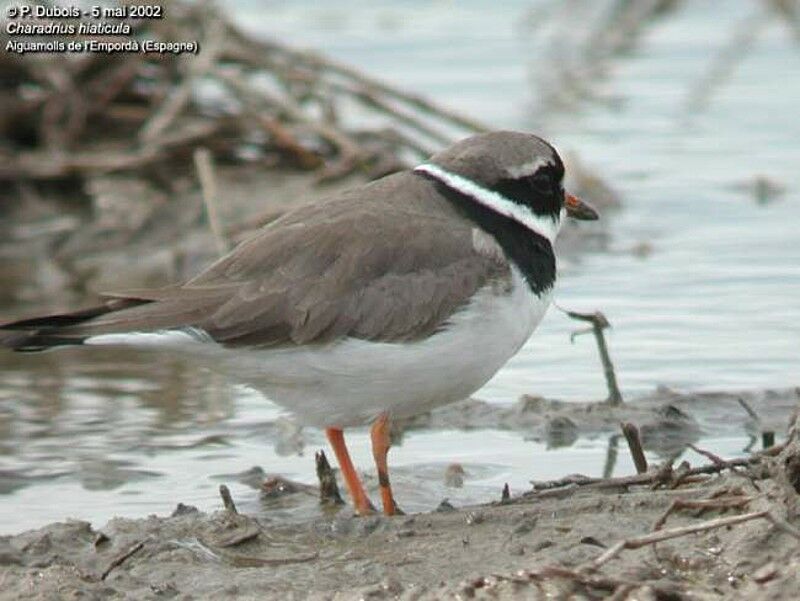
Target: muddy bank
<point>533,546</point>
<point>720,531</point>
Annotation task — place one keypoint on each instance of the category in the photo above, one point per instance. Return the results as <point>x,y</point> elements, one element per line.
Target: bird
<point>374,304</point>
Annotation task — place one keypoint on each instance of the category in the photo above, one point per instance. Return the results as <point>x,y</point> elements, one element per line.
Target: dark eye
<point>541,183</point>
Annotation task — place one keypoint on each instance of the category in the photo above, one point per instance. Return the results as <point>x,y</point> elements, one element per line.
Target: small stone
<point>590,540</point>
<point>474,517</point>
<point>368,525</point>
<point>277,486</point>
<point>445,506</point>
<point>387,589</point>
<point>181,509</point>
<point>765,573</point>
<point>531,404</point>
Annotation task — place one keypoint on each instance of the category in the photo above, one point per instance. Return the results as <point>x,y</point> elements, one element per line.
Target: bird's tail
<point>63,329</point>
<point>128,312</point>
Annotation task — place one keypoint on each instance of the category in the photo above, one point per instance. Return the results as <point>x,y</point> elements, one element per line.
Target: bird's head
<point>520,168</point>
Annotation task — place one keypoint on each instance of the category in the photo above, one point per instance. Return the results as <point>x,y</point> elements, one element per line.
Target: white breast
<point>352,381</point>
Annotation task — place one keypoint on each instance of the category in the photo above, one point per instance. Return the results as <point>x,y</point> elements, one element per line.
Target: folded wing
<point>361,264</point>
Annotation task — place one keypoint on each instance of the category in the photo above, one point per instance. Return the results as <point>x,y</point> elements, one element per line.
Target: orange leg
<point>380,449</point>
<point>360,499</point>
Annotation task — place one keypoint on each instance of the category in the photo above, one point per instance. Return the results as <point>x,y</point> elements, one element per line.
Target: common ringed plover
<point>381,302</point>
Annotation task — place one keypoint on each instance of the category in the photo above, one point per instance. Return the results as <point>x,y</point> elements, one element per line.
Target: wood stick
<point>204,165</point>
<point>328,489</point>
<point>373,100</point>
<point>120,559</point>
<point>784,526</point>
<point>348,149</point>
<point>611,456</point>
<point>286,141</point>
<point>715,459</point>
<point>750,411</point>
<point>649,478</point>
<point>43,165</point>
<point>227,499</point>
<point>181,94</point>
<point>631,433</point>
<point>735,502</point>
<point>663,535</point>
<point>263,53</point>
<point>600,323</point>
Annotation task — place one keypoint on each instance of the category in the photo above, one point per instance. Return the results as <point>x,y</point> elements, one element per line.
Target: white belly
<point>352,381</point>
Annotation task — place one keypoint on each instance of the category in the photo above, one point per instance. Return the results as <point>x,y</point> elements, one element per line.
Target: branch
<point>663,535</point>
<point>600,323</point>
<point>328,489</point>
<point>227,499</point>
<point>208,186</point>
<point>653,477</point>
<point>631,433</point>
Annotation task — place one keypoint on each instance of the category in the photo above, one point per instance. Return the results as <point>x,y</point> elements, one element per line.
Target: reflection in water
<point>670,434</point>
<point>560,432</point>
<point>611,455</point>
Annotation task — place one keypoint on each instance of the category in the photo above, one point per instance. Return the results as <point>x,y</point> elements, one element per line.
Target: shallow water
<point>715,304</point>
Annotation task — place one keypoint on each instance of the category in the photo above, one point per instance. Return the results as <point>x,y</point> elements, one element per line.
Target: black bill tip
<point>577,209</point>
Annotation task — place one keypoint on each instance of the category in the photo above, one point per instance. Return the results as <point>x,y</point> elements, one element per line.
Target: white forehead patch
<point>544,225</point>
<point>529,168</point>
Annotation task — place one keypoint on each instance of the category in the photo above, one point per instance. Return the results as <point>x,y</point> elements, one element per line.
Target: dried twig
<point>138,106</point>
<point>179,97</point>
<point>328,489</point>
<point>38,165</point>
<point>750,411</point>
<point>120,559</point>
<point>649,478</point>
<point>600,323</point>
<point>227,499</point>
<point>784,526</point>
<point>203,162</point>
<point>370,98</point>
<point>285,140</point>
<point>611,456</point>
<point>583,578</point>
<point>663,535</point>
<point>715,459</point>
<point>349,153</point>
<point>730,502</point>
<point>420,103</point>
<point>631,433</point>
<point>251,561</point>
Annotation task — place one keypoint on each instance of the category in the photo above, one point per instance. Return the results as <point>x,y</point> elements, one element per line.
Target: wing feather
<point>362,264</point>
